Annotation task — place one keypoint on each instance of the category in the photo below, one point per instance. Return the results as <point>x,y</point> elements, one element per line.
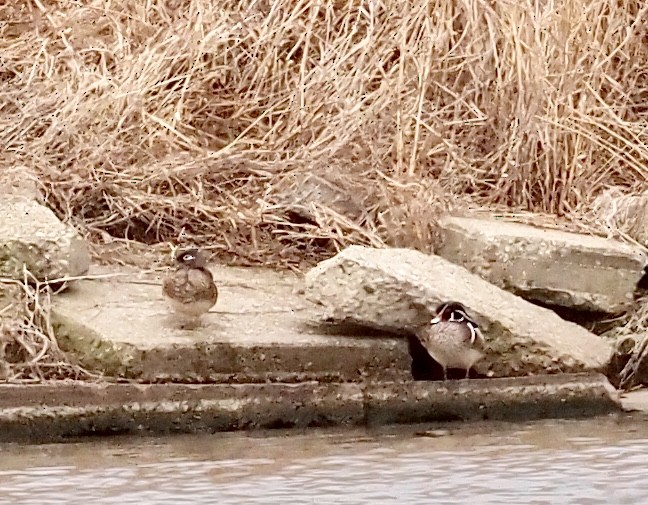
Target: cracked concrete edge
<point>87,348</point>
<point>218,362</point>
<point>49,248</point>
<point>39,413</point>
<point>519,260</point>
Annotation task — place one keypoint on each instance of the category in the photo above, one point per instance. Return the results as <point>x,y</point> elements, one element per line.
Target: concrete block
<point>554,267</point>
<point>33,237</point>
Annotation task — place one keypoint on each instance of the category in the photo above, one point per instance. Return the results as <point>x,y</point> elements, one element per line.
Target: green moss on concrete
<point>93,352</point>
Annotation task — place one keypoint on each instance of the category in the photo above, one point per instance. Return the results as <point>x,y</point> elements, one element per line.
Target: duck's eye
<point>189,257</point>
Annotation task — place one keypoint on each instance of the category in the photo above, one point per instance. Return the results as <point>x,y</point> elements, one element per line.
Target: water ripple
<point>543,463</point>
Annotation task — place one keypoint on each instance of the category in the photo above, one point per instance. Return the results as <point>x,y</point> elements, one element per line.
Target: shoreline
<point>54,412</point>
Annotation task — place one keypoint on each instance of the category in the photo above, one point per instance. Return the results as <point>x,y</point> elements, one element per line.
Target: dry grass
<point>28,348</point>
<point>630,336</point>
<point>216,122</point>
<point>622,214</point>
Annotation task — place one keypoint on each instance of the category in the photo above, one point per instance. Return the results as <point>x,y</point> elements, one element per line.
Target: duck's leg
<point>467,373</point>
<point>445,374</point>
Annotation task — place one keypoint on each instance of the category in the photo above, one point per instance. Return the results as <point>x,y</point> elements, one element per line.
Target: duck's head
<point>453,312</point>
<point>191,258</point>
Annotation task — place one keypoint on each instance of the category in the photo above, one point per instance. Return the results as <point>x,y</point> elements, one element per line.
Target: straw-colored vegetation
<point>276,132</point>
<point>29,350</point>
<point>273,132</point>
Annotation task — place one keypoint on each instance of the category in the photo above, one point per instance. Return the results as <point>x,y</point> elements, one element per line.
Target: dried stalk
<point>198,122</point>
<point>29,351</point>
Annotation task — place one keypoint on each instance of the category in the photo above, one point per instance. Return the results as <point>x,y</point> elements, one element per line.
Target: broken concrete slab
<point>49,412</point>
<point>553,267</point>
<point>398,290</point>
<point>31,236</point>
<point>258,331</point>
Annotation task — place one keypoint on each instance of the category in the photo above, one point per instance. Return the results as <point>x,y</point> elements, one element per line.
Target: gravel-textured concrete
<point>580,272</point>
<point>32,237</point>
<point>48,412</point>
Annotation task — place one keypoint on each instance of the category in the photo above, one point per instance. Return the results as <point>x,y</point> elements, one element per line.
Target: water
<point>600,461</point>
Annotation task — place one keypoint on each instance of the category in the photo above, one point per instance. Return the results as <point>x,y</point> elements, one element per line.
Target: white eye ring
<point>189,257</point>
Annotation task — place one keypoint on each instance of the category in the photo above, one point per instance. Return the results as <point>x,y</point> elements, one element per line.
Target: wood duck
<point>190,288</point>
<point>452,338</point>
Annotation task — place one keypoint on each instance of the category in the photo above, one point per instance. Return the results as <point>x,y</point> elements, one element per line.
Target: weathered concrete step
<point>259,331</point>
<point>553,267</point>
<point>47,412</point>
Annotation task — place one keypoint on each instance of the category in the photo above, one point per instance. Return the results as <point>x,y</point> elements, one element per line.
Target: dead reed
<point>277,132</point>
<point>28,347</point>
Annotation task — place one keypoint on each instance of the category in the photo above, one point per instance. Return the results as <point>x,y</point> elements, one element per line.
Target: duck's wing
<point>202,284</point>
<point>188,286</point>
<point>173,284</point>
<point>428,338</point>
